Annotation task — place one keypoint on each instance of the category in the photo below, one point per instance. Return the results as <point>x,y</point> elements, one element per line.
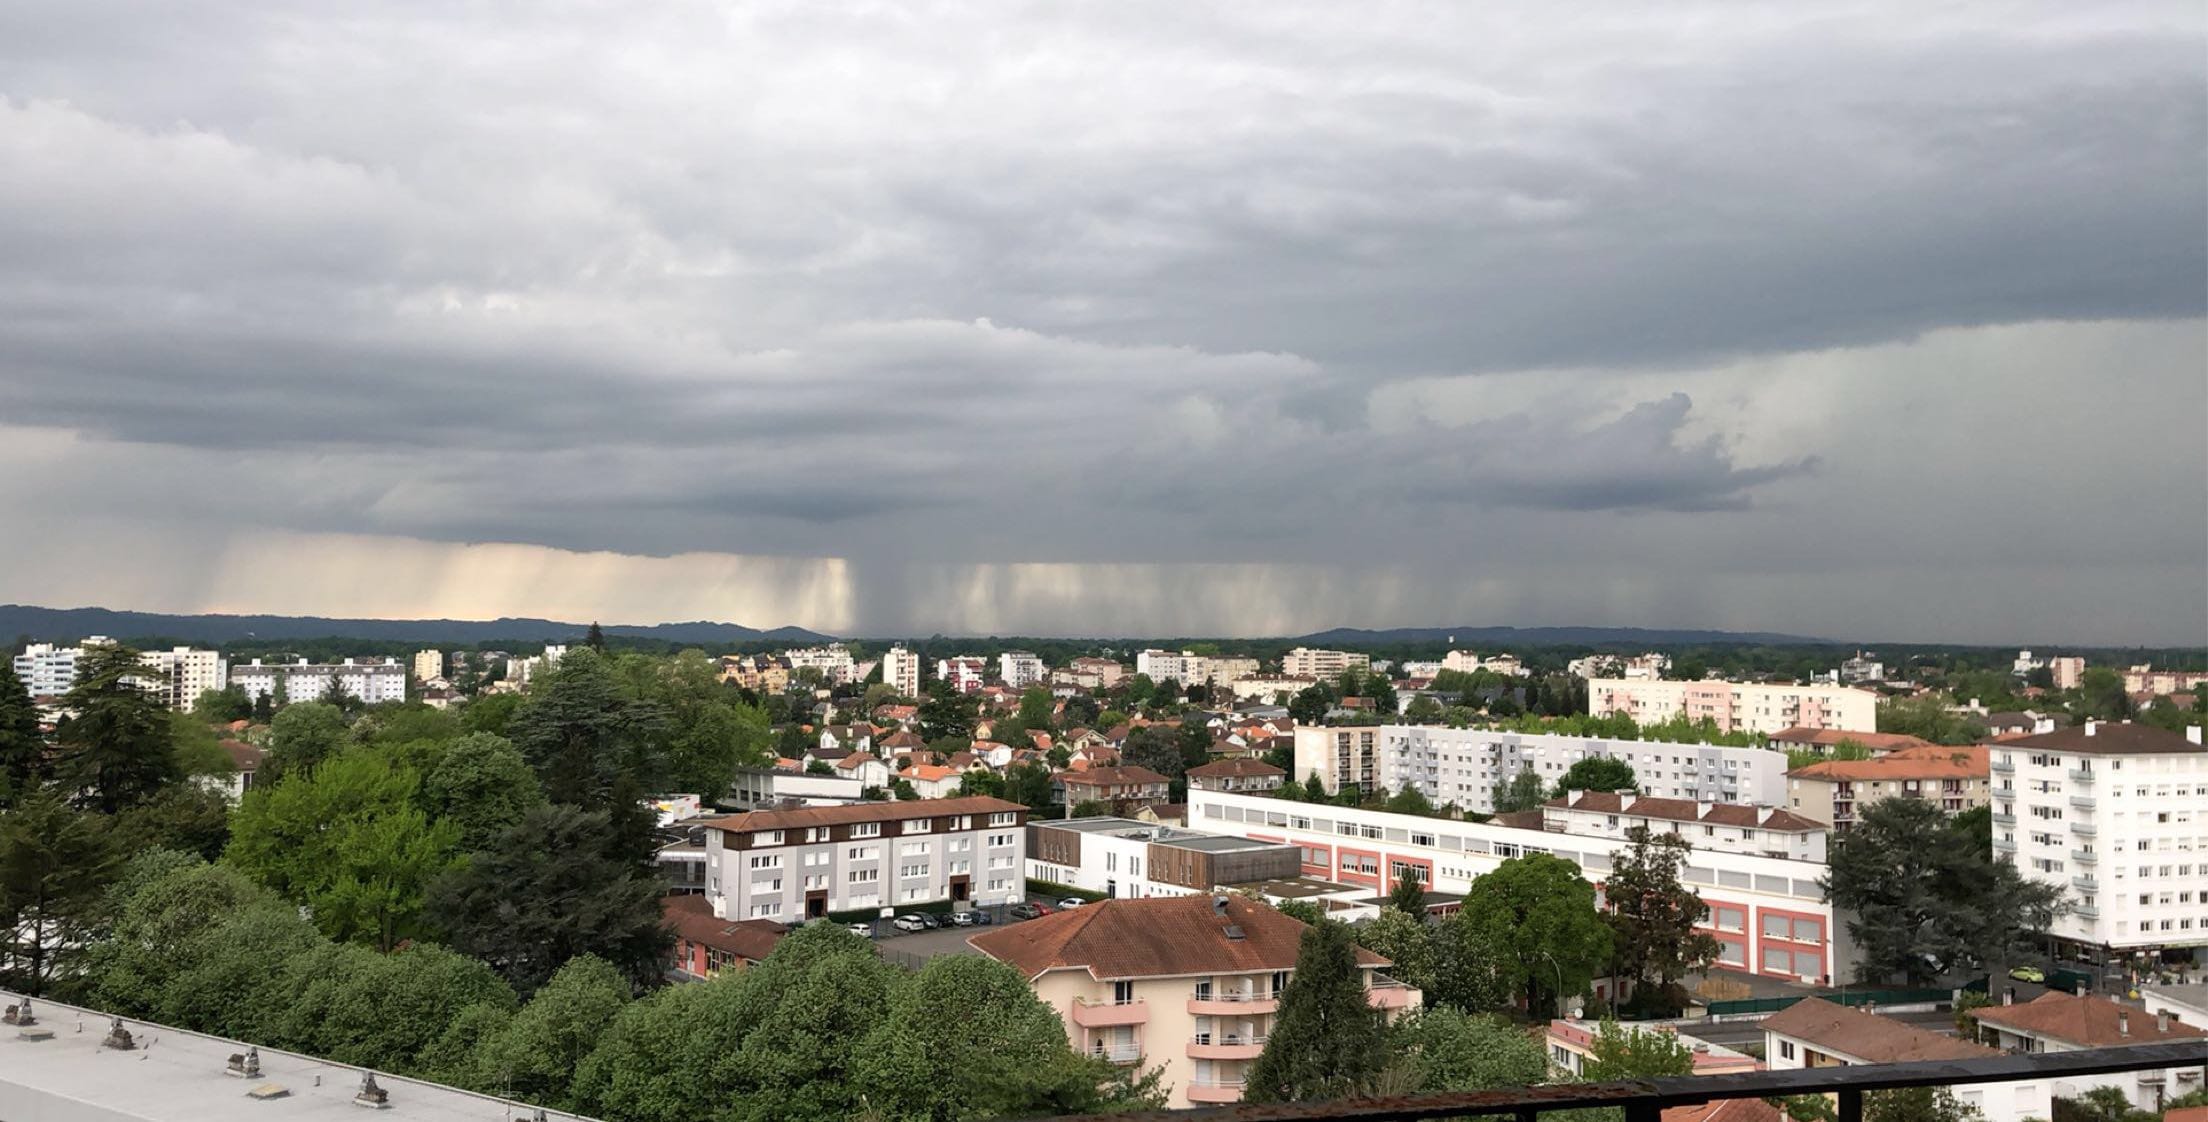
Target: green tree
<point>161,902</point>
<point>1928,718</point>
<point>1036,707</point>
<point>1597,773</point>
<point>1445,1049</point>
<point>595,638</point>
<point>2102,1104</point>
<point>223,706</point>
<point>185,817</point>
<point>1653,917</point>
<point>2101,696</point>
<point>22,749</point>
<point>1918,1104</point>
<point>116,750</point>
<point>1410,800</point>
<point>301,737</point>
<point>1523,792</point>
<point>1408,941</point>
<point>1920,906</point>
<point>550,888</point>
<point>1468,972</point>
<point>55,865</point>
<point>1310,706</point>
<point>1619,1052</point>
<point>482,786</point>
<point>1423,710</point>
<point>1328,1042</point>
<point>491,713</point>
<point>1967,1003</point>
<point>373,1010</point>
<point>535,1056</point>
<point>1537,915</point>
<point>583,734</point>
<point>1409,894</point>
<point>801,1061</point>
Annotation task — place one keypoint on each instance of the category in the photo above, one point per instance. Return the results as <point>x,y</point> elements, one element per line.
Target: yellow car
<point>2028,974</point>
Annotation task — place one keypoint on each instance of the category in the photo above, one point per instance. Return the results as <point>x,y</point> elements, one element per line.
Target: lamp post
<point>1559,979</point>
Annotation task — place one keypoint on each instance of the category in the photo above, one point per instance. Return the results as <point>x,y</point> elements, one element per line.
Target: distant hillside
<point>1554,637</point>
<point>70,624</point>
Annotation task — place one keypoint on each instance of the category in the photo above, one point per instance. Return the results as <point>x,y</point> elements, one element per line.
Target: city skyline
<point>1138,321</point>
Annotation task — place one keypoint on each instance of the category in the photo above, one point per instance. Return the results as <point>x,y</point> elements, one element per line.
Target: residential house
<point>1189,985</point>
<point>1709,827</point>
<point>1816,1033</point>
<point>1837,792</point>
<point>2061,1022</point>
<point>1121,788</point>
<point>1236,775</point>
<point>931,781</point>
<point>858,738</point>
<point>245,762</point>
<point>1823,741</point>
<point>862,766</point>
<point>1571,1041</point>
<point>808,862</point>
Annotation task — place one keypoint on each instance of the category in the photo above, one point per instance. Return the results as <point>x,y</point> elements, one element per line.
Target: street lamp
<point>1559,980</point>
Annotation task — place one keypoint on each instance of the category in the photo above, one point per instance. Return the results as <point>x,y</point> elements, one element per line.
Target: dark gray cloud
<point>1395,287</point>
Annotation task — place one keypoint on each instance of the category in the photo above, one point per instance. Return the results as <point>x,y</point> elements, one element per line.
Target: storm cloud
<point>1862,320</point>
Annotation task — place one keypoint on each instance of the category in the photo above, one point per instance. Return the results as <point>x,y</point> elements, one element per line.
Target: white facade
<point>763,789</point>
<point>873,855</point>
<point>185,674</point>
<point>1998,1102</point>
<point>1309,662</point>
<point>1463,662</point>
<point>1468,767</point>
<point>901,671</point>
<point>374,681</point>
<point>1768,915</point>
<point>1020,669</point>
<point>833,661</point>
<point>1265,688</point>
<point>1736,705</point>
<point>2115,815</point>
<point>429,665</point>
<point>49,670</point>
<point>1715,827</point>
<point>965,673</point>
<point>1188,669</point>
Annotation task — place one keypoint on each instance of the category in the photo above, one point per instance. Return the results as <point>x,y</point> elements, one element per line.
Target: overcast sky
<point>1877,321</point>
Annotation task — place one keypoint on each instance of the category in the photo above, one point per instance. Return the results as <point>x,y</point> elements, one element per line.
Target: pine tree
<point>1409,894</point>
<point>22,750</point>
<point>117,752</point>
<point>595,638</point>
<point>55,865</point>
<point>1328,1042</point>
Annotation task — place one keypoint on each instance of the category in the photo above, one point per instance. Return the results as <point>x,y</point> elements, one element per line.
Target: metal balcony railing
<point>1644,1100</point>
<point>1116,1053</point>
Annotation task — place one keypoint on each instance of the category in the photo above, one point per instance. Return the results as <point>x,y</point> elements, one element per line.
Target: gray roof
<point>178,1076</point>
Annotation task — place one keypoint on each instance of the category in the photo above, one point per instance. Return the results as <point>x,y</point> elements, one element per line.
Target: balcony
<point>2081,775</point>
<point>2002,768</point>
<point>1106,1013</point>
<point>2085,857</point>
<point>2086,911</point>
<point>1387,993</point>
<point>1214,1090</point>
<point>2082,802</point>
<point>1225,1046</point>
<point>1233,1003</point>
<point>2004,845</point>
<point>1121,1054</point>
<point>2086,829</point>
<point>2000,819</point>
<point>2086,883</point>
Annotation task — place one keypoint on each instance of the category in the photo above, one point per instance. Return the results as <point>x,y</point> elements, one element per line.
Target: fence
<point>1841,997</point>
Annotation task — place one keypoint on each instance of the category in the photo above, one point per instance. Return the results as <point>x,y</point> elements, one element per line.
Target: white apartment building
<point>1189,985</point>
<point>965,673</point>
<point>796,865</point>
<point>1463,662</point>
<point>185,674</point>
<point>1089,674</point>
<point>1768,914</point>
<point>1714,827</point>
<point>1309,662</point>
<point>1469,767</point>
<point>901,671</point>
<point>1256,687</point>
<point>833,661</point>
<point>429,665</point>
<point>1021,669</point>
<point>768,788</point>
<point>49,669</point>
<point>373,681</point>
<point>2116,815</point>
<point>1736,705</point>
<point>1130,859</point>
<point>2066,671</point>
<point>1190,669</point>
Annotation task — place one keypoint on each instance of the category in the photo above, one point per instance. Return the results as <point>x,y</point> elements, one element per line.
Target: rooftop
<point>803,817</point>
<point>172,1075</point>
<point>2110,738</point>
<point>2087,1022</point>
<point>1155,834</point>
<point>1686,810</point>
<point>1826,738</point>
<point>1113,777</point>
<point>1914,763</point>
<point>1234,769</point>
<point>692,918</point>
<point>1866,1037</point>
<point>1159,937</point>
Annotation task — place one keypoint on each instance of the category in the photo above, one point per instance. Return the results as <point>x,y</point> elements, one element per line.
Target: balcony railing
<point>2085,857</point>
<point>2081,775</point>
<point>1117,1053</point>
<point>2004,819</point>
<point>2082,802</point>
<point>1644,1100</point>
<point>2005,844</point>
<point>1234,995</point>
<point>2086,828</point>
<point>2002,768</point>
<point>2085,883</point>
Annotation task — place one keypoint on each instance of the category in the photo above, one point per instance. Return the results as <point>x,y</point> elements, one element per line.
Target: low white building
<point>1713,827</point>
<point>964,673</point>
<point>374,681</point>
<point>2061,1022</point>
<point>1469,767</point>
<point>1124,857</point>
<point>795,865</point>
<point>1816,1033</point>
<point>764,788</point>
<point>1262,687</point>
<point>1768,915</point>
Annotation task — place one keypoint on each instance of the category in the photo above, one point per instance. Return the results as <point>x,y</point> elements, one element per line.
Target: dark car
<point>981,919</point>
<point>930,920</point>
<point>1023,910</point>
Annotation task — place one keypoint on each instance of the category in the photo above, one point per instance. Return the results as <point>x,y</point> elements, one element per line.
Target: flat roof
<point>1296,888</point>
<point>1159,834</point>
<point>178,1076</point>
<point>1096,825</point>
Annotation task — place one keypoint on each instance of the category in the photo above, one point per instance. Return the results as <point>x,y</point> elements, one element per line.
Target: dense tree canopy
<point>1537,915</point>
<point>1924,902</point>
<point>116,749</point>
<point>1328,1041</point>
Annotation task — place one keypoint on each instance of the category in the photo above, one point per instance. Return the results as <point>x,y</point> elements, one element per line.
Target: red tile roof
<point>1724,1110</point>
<point>692,919</point>
<point>1113,777</point>
<point>1927,762</point>
<point>1234,769</point>
<point>1685,810</point>
<point>2087,1022</point>
<point>1159,937</point>
<point>1867,1037</point>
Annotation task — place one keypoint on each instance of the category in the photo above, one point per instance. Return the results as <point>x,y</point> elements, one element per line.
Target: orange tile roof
<point>1928,762</point>
<point>1724,1110</point>
<point>1237,769</point>
<point>2088,1022</point>
<point>1686,810</point>
<point>801,817</point>
<point>928,772</point>
<point>1867,1037</point>
<point>1159,937</point>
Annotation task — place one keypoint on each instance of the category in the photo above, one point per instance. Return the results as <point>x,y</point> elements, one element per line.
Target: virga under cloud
<point>1130,318</point>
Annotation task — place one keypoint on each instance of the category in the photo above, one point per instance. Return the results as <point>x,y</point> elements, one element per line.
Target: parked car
<point>2028,974</point>
<point>981,919</point>
<point>909,922</point>
<point>962,919</point>
<point>931,920</point>
<point>1023,910</point>
<point>1071,902</point>
<point>861,930</point>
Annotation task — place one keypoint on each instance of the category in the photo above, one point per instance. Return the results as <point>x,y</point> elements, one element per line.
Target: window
<point>866,830</point>
<point>863,852</point>
<point>1001,839</point>
<point>1004,818</point>
<point>910,872</point>
<point>1786,1049</point>
<point>773,861</point>
<point>770,837</point>
<point>920,826</point>
<point>1123,993</point>
<point>865,876</point>
<point>817,834</point>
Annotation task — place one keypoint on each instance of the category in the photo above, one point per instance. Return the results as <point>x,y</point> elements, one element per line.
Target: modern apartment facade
<point>186,673</point>
<point>964,673</point>
<point>1769,915</point>
<point>1122,857</point>
<point>1758,707</point>
<point>1188,668</point>
<point>1837,792</point>
<point>429,666</point>
<point>795,865</point>
<point>1189,985</point>
<point>1311,662</point>
<point>373,681</point>
<point>49,669</point>
<point>901,671</point>
<point>1021,669</point>
<point>1468,767</point>
<point>2115,814</point>
<point>1709,827</point>
<point>833,661</point>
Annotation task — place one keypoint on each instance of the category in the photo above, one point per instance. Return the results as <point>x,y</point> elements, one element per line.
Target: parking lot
<point>914,948</point>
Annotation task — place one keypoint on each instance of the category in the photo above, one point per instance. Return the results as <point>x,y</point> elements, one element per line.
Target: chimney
<point>2162,1023</point>
<point>2008,996</point>
<point>2123,1022</point>
<point>2091,725</point>
<point>1701,809</point>
<point>1763,814</point>
<point>2192,733</point>
<point>1625,802</point>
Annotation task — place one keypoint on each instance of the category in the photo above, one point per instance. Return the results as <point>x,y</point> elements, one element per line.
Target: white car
<point>1071,902</point>
<point>861,930</point>
<point>909,923</point>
